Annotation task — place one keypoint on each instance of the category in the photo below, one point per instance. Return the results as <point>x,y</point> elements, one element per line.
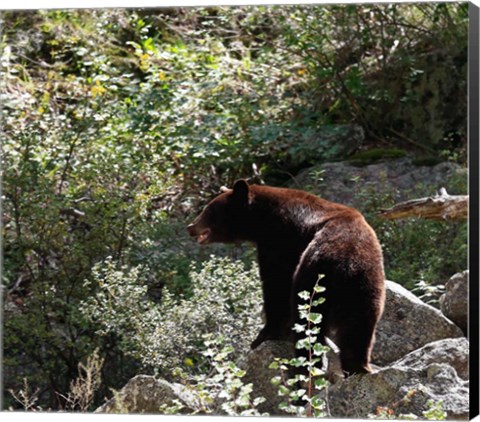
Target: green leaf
<point>259,400</point>
<point>273,365</point>
<point>303,344</point>
<point>318,402</point>
<point>320,382</point>
<point>297,362</point>
<point>305,295</point>
<point>240,373</point>
<point>320,349</point>
<point>318,301</point>
<point>315,318</point>
<point>297,394</point>
<point>316,372</point>
<point>276,380</point>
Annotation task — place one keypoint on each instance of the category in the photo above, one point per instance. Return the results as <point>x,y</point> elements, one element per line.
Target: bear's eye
<point>217,214</point>
<point>214,212</point>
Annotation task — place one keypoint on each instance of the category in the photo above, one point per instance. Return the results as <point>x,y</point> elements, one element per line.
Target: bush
<point>226,302</point>
<point>418,252</point>
<point>117,124</point>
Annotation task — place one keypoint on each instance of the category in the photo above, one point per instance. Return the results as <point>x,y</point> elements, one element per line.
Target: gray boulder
<point>435,372</point>
<point>256,364</point>
<point>146,394</point>
<point>453,352</point>
<point>454,302</point>
<point>408,324</point>
<point>436,368</point>
<point>399,178</point>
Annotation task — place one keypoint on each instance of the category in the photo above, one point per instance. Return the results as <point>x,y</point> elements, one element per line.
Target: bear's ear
<point>241,190</point>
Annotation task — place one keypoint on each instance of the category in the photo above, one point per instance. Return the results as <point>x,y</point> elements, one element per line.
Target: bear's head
<point>223,218</point>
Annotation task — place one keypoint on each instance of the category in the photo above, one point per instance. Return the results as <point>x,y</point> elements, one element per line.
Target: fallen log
<point>442,206</point>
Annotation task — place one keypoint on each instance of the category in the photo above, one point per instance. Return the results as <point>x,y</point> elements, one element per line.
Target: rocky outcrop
<point>408,324</point>
<point>413,341</point>
<point>256,364</point>
<point>146,394</point>
<point>419,356</point>
<point>454,302</point>
<point>432,372</point>
<point>340,181</point>
<point>453,352</point>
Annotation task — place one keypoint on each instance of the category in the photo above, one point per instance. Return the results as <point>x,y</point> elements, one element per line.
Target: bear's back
<point>300,208</point>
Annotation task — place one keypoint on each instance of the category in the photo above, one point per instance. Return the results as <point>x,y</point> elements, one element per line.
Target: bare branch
<point>439,207</point>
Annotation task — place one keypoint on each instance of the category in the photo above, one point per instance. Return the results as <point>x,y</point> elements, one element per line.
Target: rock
<point>408,324</point>
<point>454,302</point>
<point>454,352</point>
<point>399,179</point>
<point>435,372</point>
<point>430,358</point>
<point>256,364</point>
<point>146,394</point>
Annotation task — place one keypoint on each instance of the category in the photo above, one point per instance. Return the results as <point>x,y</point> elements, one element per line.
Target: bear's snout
<point>202,235</point>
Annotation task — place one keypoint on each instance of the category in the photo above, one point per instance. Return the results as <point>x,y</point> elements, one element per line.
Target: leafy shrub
<point>221,389</point>
<point>434,411</point>
<point>364,66</point>
<point>116,124</point>
<point>226,302</point>
<point>418,253</point>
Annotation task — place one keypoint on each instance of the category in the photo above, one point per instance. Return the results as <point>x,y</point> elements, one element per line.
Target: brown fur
<point>298,237</point>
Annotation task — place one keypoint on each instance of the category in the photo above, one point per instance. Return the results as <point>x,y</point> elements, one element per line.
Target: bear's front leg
<point>281,332</point>
<point>276,296</point>
<point>261,337</point>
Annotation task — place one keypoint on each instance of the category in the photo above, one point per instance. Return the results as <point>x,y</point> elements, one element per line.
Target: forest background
<point>119,125</point>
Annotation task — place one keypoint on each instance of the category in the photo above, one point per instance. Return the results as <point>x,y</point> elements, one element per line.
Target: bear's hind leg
<point>355,340</point>
<point>305,278</point>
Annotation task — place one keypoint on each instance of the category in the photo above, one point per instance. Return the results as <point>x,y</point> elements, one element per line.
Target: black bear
<point>298,237</point>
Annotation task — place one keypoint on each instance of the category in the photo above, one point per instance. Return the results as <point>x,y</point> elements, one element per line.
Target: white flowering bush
<point>226,302</point>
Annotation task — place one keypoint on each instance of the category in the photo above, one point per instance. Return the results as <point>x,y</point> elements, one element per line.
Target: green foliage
<point>370,156</point>
<point>428,293</point>
<point>435,411</point>
<point>225,302</point>
<point>418,250</point>
<point>303,391</point>
<point>419,254</point>
<point>358,55</point>
<point>185,337</point>
<point>221,389</point>
<point>117,125</point>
